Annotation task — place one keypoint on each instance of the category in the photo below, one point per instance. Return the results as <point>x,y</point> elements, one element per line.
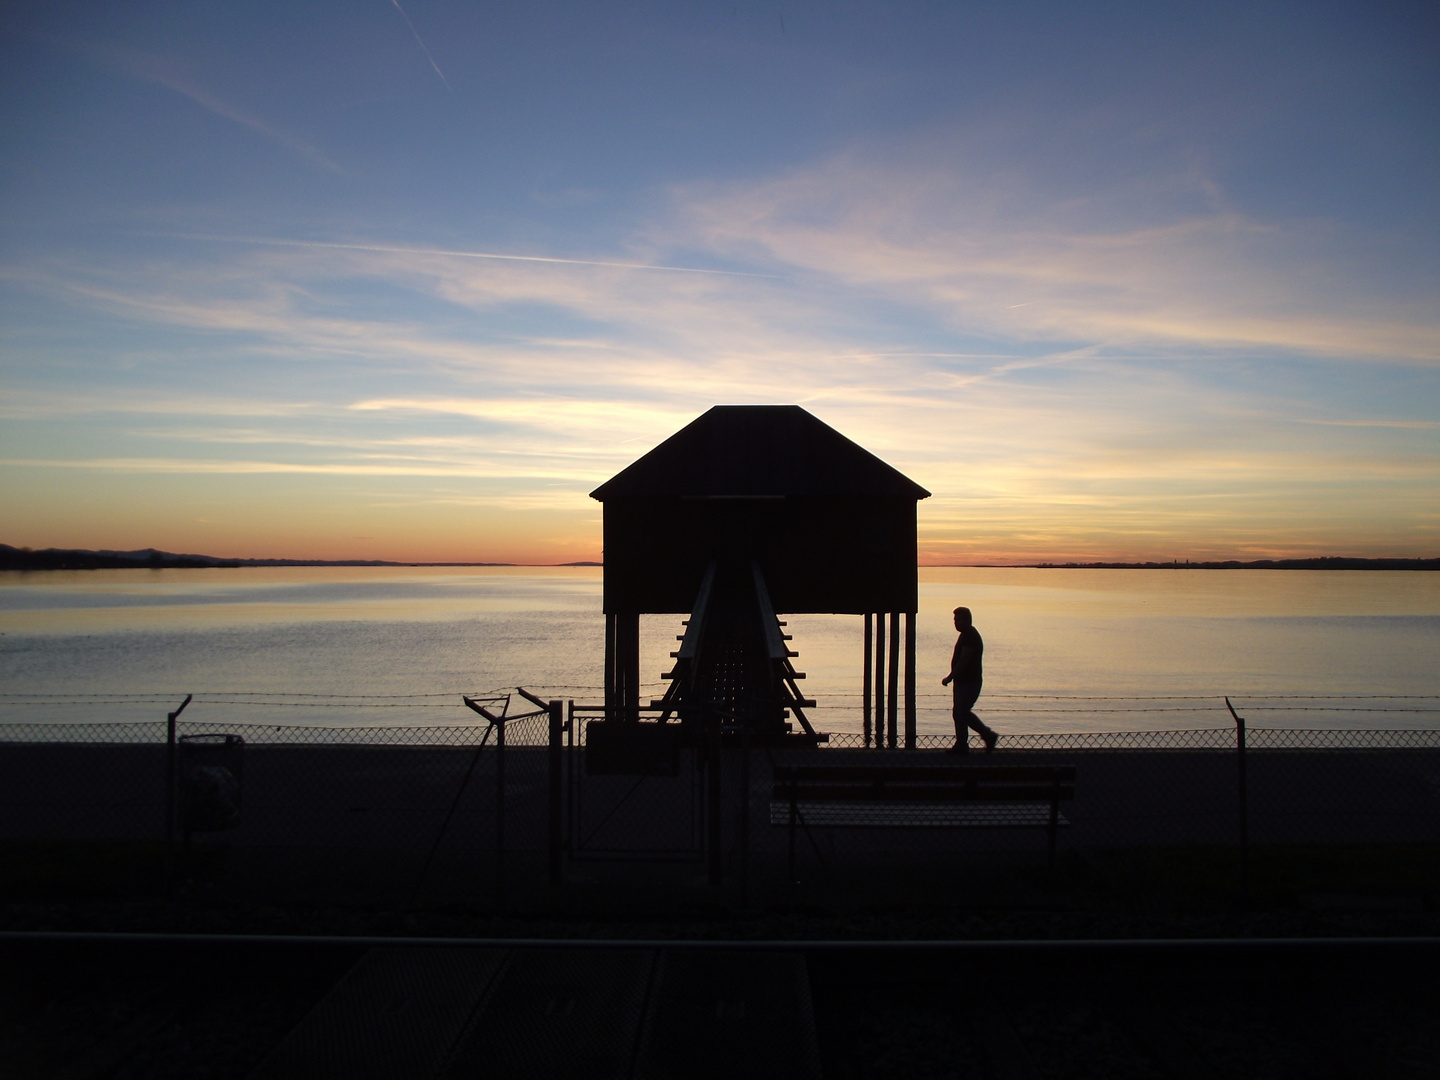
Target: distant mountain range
<point>13,558</point>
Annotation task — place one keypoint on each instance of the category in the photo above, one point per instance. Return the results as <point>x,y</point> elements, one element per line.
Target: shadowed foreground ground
<point>103,1006</point>
<point>228,1010</point>
<point>332,858</point>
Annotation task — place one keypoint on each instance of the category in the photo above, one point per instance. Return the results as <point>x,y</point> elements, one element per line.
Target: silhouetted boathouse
<point>748,511</point>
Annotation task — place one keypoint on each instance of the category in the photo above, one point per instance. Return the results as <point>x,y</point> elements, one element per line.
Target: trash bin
<point>211,770</point>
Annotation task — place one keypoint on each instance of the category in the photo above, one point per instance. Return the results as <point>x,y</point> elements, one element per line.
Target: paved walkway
<point>399,797</point>
<point>453,1013</point>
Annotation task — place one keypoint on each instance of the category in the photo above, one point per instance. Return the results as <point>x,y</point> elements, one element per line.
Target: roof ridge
<point>741,451</point>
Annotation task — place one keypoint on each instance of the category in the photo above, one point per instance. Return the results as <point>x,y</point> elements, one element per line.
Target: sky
<point>364,280</point>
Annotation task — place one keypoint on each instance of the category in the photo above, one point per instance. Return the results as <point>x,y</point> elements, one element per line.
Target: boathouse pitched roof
<point>758,451</point>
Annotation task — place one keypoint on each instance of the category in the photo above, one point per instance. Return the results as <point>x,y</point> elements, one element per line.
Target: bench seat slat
<point>924,773</point>
<point>926,793</point>
<point>916,815</point>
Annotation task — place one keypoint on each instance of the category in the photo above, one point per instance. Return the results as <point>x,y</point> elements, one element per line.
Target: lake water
<point>1078,650</point>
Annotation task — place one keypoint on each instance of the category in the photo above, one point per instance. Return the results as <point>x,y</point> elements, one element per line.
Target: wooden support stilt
<point>622,666</point>
<point>910,680</point>
<point>865,692</point>
<point>629,633</point>
<point>880,679</point>
<point>892,712</point>
<point>610,687</point>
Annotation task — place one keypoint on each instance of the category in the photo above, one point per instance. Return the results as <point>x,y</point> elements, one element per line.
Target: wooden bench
<point>910,796</point>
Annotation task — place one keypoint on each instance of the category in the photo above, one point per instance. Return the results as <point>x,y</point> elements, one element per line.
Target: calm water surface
<point>1065,649</point>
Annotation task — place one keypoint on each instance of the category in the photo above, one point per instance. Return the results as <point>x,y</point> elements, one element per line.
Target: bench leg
<point>794,813</point>
<point>1054,827</point>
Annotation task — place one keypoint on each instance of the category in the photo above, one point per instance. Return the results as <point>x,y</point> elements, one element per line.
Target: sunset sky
<point>407,281</point>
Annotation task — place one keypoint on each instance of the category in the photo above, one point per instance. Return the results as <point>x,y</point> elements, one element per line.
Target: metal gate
<point>648,808</point>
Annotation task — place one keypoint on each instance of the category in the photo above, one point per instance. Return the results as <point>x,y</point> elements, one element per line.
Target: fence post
<point>557,751</point>
<point>1244,801</point>
<point>572,776</point>
<point>171,789</point>
<point>500,816</point>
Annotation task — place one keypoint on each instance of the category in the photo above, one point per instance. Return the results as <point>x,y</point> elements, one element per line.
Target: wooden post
<point>557,802</point>
<point>892,713</point>
<point>610,688</point>
<point>865,691</point>
<point>880,679</point>
<point>627,661</point>
<point>910,680</point>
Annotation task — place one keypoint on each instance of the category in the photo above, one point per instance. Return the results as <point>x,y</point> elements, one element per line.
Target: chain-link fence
<point>396,810</point>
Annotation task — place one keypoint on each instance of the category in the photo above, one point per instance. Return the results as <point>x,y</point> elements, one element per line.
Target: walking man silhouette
<point>965,673</point>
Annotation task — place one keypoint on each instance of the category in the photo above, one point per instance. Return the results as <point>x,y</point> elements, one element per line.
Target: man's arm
<point>962,662</point>
<point>954,663</point>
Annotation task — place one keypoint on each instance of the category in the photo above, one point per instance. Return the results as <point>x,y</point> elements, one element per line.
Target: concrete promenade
<point>398,796</point>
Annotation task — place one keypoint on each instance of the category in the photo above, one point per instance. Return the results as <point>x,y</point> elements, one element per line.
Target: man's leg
<point>962,735</point>
<point>965,698</point>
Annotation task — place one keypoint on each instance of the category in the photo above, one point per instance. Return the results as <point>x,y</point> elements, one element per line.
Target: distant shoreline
<point>1324,562</point>
<point>12,558</point>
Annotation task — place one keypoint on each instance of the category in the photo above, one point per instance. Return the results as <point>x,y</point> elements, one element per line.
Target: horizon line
<point>136,555</point>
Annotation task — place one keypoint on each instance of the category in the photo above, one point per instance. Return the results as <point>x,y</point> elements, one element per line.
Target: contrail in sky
<point>264,241</point>
<point>426,51</point>
<point>153,69</point>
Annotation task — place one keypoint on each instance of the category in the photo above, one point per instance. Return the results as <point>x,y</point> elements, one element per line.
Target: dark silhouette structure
<point>748,511</point>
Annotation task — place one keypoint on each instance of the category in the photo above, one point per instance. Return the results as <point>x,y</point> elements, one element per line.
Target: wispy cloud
<point>1401,425</point>
<point>214,467</point>
<point>336,245</point>
<point>30,403</point>
<point>1042,433</point>
<point>551,410</point>
<point>1043,304</point>
<point>980,255</point>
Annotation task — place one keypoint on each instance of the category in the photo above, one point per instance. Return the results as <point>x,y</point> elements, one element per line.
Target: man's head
<point>962,618</point>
